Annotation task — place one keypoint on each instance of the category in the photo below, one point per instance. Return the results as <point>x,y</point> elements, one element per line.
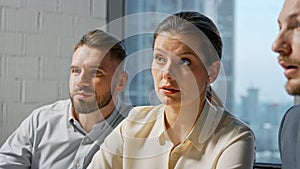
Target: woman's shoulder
<point>234,127</point>
<point>233,120</point>
<point>141,121</point>
<point>145,113</point>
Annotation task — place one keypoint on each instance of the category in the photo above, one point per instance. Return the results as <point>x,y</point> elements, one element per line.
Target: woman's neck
<point>180,120</point>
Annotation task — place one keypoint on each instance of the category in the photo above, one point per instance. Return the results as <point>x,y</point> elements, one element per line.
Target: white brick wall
<point>10,91</point>
<point>36,45</point>
<point>39,91</point>
<point>12,3</point>
<point>98,8</point>
<point>23,20</point>
<point>41,45</point>
<point>55,69</point>
<point>42,5</point>
<point>66,46</point>
<point>10,43</point>
<point>13,120</point>
<point>21,67</point>
<point>57,24</point>
<point>1,66</point>
<point>81,7</point>
<point>83,23</point>
<point>22,112</point>
<point>64,89</point>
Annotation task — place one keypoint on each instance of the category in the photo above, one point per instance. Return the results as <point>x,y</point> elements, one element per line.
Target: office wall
<point>36,46</point>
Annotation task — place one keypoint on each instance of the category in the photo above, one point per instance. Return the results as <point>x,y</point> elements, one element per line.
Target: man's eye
<point>184,61</point>
<point>75,70</point>
<point>96,72</point>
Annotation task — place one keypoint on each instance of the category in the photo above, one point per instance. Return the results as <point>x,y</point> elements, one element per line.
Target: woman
<point>190,129</point>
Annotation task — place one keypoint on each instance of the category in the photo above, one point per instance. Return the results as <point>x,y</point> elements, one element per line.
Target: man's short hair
<point>99,39</point>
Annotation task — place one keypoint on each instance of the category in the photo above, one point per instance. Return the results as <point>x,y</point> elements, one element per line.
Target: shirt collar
<point>163,136</point>
<point>204,128</point>
<point>101,124</point>
<point>70,114</point>
<point>121,109</point>
<point>73,122</point>
<point>206,124</point>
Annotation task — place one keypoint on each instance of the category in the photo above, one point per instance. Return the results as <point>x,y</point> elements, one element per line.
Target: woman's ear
<point>122,81</point>
<point>213,71</point>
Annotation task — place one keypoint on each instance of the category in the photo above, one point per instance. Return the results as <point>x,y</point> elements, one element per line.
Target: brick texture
<point>98,8</point>
<point>21,67</point>
<point>55,69</point>
<point>86,23</point>
<point>57,24</point>
<point>23,20</point>
<point>10,43</point>
<point>75,7</point>
<point>39,91</point>
<point>41,45</point>
<point>36,46</point>
<point>39,5</point>
<point>10,91</point>
<point>12,3</point>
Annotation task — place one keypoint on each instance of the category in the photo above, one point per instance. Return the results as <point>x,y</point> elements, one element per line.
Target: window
<point>248,29</point>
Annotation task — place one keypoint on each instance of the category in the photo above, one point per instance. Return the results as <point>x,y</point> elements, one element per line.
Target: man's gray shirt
<point>50,137</point>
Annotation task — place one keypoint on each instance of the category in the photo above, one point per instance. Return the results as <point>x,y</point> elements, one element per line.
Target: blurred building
<point>249,108</point>
<point>264,119</point>
<point>221,11</point>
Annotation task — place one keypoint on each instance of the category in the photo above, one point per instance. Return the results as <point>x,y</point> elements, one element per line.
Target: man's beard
<point>293,89</point>
<point>84,107</point>
<point>288,60</point>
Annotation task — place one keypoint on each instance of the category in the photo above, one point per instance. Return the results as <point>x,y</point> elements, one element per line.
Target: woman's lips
<point>169,90</point>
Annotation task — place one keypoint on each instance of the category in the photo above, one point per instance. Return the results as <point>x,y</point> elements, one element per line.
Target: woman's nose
<point>168,71</point>
<point>167,75</point>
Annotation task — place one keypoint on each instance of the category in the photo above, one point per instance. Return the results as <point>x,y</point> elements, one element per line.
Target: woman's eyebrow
<point>186,52</point>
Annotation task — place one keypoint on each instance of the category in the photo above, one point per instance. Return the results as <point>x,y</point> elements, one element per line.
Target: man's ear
<point>122,81</point>
<point>213,71</point>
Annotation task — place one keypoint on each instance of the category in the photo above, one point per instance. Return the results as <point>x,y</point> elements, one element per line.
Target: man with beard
<point>287,45</point>
<point>67,133</point>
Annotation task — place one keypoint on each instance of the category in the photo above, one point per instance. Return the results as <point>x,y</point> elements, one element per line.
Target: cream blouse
<point>217,141</point>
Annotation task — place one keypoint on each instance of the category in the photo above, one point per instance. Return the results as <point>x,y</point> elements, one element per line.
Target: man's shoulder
<point>293,111</point>
<point>291,116</point>
<point>124,108</point>
<point>57,107</point>
<point>289,128</point>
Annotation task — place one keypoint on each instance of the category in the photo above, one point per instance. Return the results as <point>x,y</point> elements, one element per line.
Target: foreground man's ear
<point>122,81</point>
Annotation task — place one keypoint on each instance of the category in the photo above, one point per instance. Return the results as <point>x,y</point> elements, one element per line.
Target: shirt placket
<point>82,152</point>
<point>176,153</point>
<point>83,148</point>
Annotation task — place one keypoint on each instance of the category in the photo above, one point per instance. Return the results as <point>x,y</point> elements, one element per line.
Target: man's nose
<point>84,79</point>
<point>281,44</point>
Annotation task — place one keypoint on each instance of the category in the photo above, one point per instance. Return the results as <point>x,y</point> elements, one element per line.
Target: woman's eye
<point>184,61</point>
<point>160,59</point>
